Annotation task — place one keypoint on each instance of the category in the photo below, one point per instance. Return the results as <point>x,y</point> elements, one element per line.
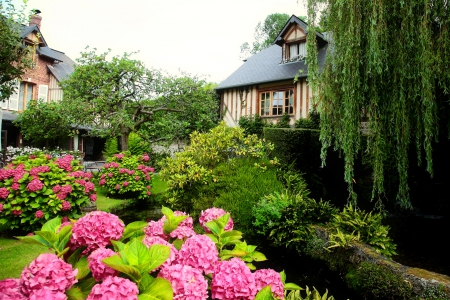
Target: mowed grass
<point>15,255</point>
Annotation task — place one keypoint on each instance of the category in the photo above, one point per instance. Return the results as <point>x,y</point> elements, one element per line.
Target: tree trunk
<point>125,133</point>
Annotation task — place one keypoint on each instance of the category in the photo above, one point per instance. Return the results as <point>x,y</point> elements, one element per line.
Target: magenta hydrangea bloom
<point>66,189</point>
<point>65,163</point>
<point>61,196</point>
<point>95,230</point>
<point>145,157</point>
<point>155,228</point>
<point>99,270</point>
<point>185,229</point>
<point>117,186</point>
<point>15,186</point>
<point>39,214</point>
<point>56,188</point>
<point>114,288</point>
<point>4,192</point>
<point>46,294</point>
<point>35,185</point>
<point>265,277</point>
<point>233,280</point>
<point>48,272</point>
<point>212,214</point>
<point>187,283</point>
<point>93,197</point>
<point>102,182</point>
<point>11,289</point>
<point>199,252</point>
<point>88,187</point>
<point>125,183</point>
<point>152,240</point>
<point>66,205</point>
<point>119,156</point>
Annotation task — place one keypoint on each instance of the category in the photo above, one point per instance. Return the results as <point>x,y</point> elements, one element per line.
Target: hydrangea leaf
<point>178,243</point>
<point>117,264</point>
<point>50,237</point>
<point>118,246</point>
<point>133,228</point>
<point>258,256</point>
<point>86,286</point>
<point>75,293</point>
<point>159,254</point>
<point>167,212</point>
<point>292,286</point>
<point>52,225</point>
<point>283,276</point>
<point>145,282</point>
<point>34,239</point>
<point>83,267</point>
<point>63,237</point>
<point>160,289</point>
<point>137,253</point>
<point>214,227</point>
<point>74,257</point>
<point>265,294</point>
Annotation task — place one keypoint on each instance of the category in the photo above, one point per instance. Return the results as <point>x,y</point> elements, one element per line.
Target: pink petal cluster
<point>96,229</point>
<point>65,162</point>
<point>11,289</point>
<point>48,272</point>
<point>119,156</point>
<point>17,212</point>
<point>265,277</point>
<point>233,280</point>
<point>155,228</point>
<point>125,183</point>
<point>81,174</point>
<point>56,188</point>
<point>66,205</point>
<point>199,252</point>
<point>102,182</point>
<point>89,187</point>
<point>47,294</point>
<point>99,270</point>
<point>35,185</point>
<point>114,288</point>
<point>41,169</point>
<point>111,165</point>
<point>15,186</point>
<point>187,283</point>
<point>93,197</point>
<point>185,229</point>
<point>212,214</point>
<point>152,240</point>
<point>39,214</point>
<point>4,192</point>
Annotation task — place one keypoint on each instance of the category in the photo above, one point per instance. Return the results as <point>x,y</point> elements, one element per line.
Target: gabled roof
<point>63,68</point>
<point>294,20</point>
<point>265,66</point>
<point>26,30</point>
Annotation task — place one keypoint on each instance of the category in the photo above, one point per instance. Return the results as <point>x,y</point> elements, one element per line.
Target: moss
<point>429,275</point>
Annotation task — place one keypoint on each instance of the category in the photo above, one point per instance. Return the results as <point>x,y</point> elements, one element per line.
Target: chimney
<point>35,20</point>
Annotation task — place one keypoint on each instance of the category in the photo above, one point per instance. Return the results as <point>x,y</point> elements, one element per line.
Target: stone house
<point>265,85</point>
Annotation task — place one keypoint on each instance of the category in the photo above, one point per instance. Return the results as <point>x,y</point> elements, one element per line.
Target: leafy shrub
<point>36,188</point>
<point>194,167</point>
<point>284,121</point>
<point>366,227</point>
<point>312,122</point>
<point>374,281</point>
<point>137,145</point>
<point>253,124</point>
<point>111,147</point>
<point>128,176</point>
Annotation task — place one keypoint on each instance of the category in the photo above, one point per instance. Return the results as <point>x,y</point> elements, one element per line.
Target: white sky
<point>201,37</point>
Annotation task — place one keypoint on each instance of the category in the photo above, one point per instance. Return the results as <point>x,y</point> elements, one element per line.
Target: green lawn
<point>15,255</point>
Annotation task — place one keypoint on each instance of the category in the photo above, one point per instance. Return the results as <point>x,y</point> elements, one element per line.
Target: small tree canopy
<point>388,61</point>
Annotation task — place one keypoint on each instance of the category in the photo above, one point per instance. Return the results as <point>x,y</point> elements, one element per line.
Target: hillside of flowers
<point>97,257</point>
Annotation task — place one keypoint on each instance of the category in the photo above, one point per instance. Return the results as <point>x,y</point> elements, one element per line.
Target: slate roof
<point>62,69</point>
<point>26,30</point>
<point>265,66</point>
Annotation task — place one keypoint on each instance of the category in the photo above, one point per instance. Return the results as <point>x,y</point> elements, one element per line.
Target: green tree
<point>43,121</point>
<point>14,59</point>
<point>389,61</point>
<point>265,34</point>
<point>118,96</point>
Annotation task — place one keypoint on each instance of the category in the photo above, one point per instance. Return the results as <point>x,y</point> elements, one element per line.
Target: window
<point>276,103</point>
<point>296,51</point>
<point>25,95</point>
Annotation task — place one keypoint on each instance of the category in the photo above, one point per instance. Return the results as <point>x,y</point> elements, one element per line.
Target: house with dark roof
<point>264,84</point>
<point>40,82</point>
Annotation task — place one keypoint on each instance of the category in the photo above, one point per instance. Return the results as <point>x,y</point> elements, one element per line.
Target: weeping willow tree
<point>391,60</point>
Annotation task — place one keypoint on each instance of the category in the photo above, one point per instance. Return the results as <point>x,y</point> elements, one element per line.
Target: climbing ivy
<point>387,60</point>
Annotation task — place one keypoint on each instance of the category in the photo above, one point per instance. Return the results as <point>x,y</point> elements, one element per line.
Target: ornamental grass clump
<point>127,176</point>
<point>97,258</point>
<point>37,188</point>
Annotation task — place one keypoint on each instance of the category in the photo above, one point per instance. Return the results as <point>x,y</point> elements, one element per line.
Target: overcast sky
<point>201,37</point>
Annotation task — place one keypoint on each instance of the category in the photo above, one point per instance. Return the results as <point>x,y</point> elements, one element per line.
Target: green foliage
<point>265,34</point>
<point>374,281</point>
<point>137,145</point>
<point>111,147</point>
<point>21,202</point>
<point>253,124</point>
<point>43,121</point>
<point>429,293</point>
<point>284,121</point>
<point>128,176</point>
<point>355,224</point>
<point>312,122</point>
<point>14,58</point>
<point>269,210</point>
<point>374,71</point>
<point>194,167</point>
<point>309,295</point>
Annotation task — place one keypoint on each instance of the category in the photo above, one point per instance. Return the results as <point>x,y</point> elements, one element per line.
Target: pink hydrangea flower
<point>15,186</point>
<point>96,229</point>
<point>114,288</point>
<point>66,189</point>
<point>39,214</point>
<point>61,196</point>
<point>155,228</point>
<point>46,294</point>
<point>4,192</point>
<point>145,157</point>
<point>125,183</point>
<point>212,214</point>
<point>56,188</point>
<point>88,187</point>
<point>149,193</point>
<point>66,205</point>
<point>65,162</point>
<point>152,240</point>
<point>187,283</point>
<point>99,270</point>
<point>35,185</point>
<point>117,186</point>
<point>110,175</point>
<point>122,171</point>
<point>119,156</point>
<point>48,272</point>
<point>11,289</point>
<point>265,277</point>
<point>102,182</point>
<point>137,178</point>
<point>41,169</point>
<point>93,197</point>
<point>17,212</point>
<point>233,280</point>
<point>199,252</point>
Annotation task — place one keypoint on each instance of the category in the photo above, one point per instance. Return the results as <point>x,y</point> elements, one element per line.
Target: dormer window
<point>295,51</point>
